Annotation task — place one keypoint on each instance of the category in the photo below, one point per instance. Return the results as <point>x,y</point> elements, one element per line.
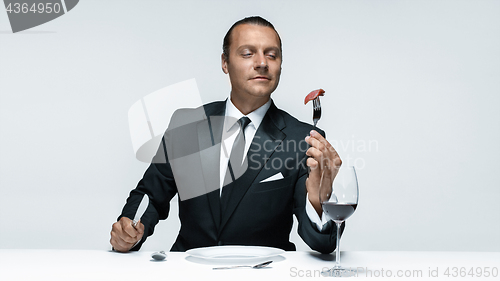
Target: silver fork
<point>316,110</point>
<point>260,265</point>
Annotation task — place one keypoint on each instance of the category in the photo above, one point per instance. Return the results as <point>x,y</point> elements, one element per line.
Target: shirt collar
<point>255,116</point>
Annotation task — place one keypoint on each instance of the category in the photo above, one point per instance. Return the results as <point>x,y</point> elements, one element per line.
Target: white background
<point>412,99</point>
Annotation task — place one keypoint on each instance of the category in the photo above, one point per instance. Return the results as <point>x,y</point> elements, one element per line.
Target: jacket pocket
<point>271,185</point>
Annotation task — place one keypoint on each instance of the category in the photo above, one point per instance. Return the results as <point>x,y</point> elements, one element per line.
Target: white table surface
<point>26,264</point>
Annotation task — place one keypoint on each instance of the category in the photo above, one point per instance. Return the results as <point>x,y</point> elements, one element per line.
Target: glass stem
<point>337,254</point>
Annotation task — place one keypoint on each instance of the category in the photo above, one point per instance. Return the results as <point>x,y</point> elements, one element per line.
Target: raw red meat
<point>314,94</point>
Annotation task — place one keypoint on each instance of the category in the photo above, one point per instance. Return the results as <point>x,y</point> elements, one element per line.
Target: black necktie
<point>235,164</point>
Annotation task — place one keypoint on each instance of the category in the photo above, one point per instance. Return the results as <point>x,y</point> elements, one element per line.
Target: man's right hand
<point>124,235</point>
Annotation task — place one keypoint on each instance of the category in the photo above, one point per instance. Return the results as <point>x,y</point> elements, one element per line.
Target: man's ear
<point>224,63</point>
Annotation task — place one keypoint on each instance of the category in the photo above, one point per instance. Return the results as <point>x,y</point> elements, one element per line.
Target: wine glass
<point>339,202</point>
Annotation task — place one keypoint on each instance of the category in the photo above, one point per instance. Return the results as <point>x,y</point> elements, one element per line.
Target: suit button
<point>219,243</point>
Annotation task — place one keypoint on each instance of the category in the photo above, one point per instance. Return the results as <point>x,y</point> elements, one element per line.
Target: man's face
<point>254,64</point>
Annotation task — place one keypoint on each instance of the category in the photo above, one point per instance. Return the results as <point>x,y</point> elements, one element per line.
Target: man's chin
<point>262,92</point>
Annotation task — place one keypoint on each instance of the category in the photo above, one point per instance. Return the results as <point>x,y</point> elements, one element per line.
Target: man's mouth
<point>261,78</point>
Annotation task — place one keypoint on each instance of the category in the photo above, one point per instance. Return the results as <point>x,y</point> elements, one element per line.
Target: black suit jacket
<point>254,213</point>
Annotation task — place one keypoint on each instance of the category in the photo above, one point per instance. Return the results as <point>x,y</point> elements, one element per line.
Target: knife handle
<point>134,223</point>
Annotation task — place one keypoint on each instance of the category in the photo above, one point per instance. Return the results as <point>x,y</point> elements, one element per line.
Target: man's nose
<point>261,61</point>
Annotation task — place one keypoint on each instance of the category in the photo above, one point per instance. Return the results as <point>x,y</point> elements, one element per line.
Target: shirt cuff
<point>313,215</point>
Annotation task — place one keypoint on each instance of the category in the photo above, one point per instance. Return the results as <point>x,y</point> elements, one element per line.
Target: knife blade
<point>141,210</point>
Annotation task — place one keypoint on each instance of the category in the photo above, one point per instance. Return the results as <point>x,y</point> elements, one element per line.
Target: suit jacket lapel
<point>266,140</point>
<point>209,139</point>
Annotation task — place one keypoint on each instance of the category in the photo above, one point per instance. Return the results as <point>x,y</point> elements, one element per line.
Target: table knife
<point>141,210</point>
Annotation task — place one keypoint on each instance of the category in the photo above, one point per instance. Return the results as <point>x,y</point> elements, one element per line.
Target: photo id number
<point>40,8</point>
<point>471,272</point>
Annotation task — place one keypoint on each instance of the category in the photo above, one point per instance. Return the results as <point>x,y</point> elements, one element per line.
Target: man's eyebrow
<point>276,49</point>
<point>272,48</point>
<point>245,47</point>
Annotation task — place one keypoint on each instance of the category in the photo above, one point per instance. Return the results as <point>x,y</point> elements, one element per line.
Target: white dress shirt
<point>229,133</point>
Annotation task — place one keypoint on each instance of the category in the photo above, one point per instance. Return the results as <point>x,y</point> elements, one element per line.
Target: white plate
<point>234,253</point>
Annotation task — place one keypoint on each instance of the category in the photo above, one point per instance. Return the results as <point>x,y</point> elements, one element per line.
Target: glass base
<point>339,271</point>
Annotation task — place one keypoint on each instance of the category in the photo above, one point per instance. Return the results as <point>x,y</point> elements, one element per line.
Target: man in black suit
<point>226,200</point>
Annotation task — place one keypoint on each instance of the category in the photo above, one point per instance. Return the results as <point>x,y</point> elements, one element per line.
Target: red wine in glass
<point>339,201</point>
<point>338,211</point>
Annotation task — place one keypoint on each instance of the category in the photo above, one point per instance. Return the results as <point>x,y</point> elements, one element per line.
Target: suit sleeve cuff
<point>313,215</point>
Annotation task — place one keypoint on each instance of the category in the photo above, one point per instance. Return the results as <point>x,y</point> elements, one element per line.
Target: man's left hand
<point>325,163</point>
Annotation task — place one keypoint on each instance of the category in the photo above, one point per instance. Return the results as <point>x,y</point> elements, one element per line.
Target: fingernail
<point>312,132</point>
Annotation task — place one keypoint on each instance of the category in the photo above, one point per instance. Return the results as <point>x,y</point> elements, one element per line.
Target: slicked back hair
<point>255,20</point>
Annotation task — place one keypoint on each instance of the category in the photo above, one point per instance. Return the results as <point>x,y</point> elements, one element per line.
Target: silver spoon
<point>260,265</point>
<point>159,256</point>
